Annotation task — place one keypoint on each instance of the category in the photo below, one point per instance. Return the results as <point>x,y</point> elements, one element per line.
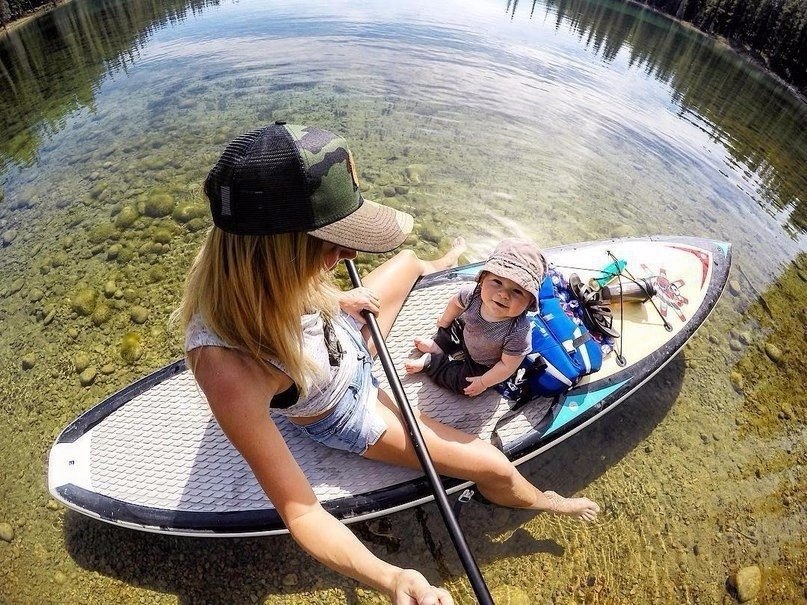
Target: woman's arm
<point>503,369</point>
<point>354,301</point>
<point>238,391</point>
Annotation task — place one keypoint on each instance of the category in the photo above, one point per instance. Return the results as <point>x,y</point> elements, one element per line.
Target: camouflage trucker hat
<point>284,178</point>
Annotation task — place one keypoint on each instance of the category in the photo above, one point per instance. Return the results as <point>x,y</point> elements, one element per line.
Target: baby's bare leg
<point>427,345</point>
<point>413,366</point>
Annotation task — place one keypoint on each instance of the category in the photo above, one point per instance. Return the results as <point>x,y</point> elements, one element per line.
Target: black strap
<point>582,339</point>
<point>332,343</point>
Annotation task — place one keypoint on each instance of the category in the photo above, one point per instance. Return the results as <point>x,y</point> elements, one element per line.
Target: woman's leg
<point>457,454</point>
<point>393,280</point>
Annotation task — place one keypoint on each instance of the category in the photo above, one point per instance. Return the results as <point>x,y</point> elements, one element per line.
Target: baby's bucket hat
<point>520,261</point>
<point>284,178</point>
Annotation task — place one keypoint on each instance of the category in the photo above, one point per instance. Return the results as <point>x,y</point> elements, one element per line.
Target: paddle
<point>457,537</point>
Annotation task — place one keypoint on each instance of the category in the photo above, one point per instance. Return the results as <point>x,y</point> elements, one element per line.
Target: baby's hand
<point>476,387</point>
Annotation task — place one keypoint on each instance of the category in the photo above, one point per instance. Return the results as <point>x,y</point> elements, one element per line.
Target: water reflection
<point>761,124</point>
<point>53,65</point>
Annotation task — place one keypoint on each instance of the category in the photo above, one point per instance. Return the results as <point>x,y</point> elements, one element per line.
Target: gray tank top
<point>331,382</point>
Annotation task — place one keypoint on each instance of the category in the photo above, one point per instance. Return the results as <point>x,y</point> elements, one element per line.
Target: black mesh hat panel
<point>259,186</point>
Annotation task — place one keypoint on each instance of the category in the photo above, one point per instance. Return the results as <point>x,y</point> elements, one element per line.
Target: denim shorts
<point>353,424</point>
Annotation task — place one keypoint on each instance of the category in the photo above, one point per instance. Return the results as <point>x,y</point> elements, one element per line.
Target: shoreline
<point>743,51</point>
<point>747,53</point>
<point>37,12</point>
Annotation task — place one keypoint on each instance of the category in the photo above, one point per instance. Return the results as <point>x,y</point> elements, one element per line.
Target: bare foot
<point>577,508</point>
<point>413,366</point>
<point>458,247</point>
<point>450,258</point>
<point>426,345</point>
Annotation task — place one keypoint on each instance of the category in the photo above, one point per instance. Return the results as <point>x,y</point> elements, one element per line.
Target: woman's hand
<point>354,301</point>
<point>411,588</point>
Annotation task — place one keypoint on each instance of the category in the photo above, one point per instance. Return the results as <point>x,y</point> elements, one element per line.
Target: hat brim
<point>371,228</point>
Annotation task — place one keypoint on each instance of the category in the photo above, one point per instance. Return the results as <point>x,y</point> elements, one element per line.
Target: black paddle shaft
<point>454,530</point>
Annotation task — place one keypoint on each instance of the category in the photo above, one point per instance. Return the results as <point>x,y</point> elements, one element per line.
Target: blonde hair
<point>252,290</point>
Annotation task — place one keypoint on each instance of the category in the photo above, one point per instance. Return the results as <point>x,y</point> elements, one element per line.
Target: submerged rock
<point>747,582</point>
<point>98,189</point>
<point>16,286</point>
<point>8,237</point>
<point>110,288</point>
<point>158,205</point>
<point>624,230</point>
<point>126,217</point>
<point>162,236</point>
<point>196,224</point>
<point>28,361</point>
<point>290,579</point>
<point>138,314</point>
<point>101,314</point>
<point>131,347</point>
<point>84,301</point>
<point>186,212</point>
<point>6,532</point>
<point>87,377</point>
<point>49,317</point>
<point>773,352</point>
<point>81,361</point>
<point>100,233</point>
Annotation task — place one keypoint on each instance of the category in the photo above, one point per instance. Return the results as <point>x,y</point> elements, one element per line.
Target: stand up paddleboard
<point>152,457</point>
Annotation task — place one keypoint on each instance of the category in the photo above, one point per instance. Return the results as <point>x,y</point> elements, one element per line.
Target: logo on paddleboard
<point>668,292</point>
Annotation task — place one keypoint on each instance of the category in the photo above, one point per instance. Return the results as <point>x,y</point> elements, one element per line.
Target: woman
<point>264,326</point>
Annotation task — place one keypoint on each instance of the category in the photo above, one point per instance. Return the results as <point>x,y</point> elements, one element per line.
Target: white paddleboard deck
<point>152,457</point>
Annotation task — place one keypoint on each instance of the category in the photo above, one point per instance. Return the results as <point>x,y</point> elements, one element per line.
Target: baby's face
<point>503,298</point>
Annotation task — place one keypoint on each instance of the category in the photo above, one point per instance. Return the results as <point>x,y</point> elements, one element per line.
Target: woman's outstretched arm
<point>238,391</point>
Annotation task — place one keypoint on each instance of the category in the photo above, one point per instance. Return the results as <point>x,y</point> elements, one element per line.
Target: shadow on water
<point>201,570</point>
<point>568,469</point>
<point>197,570</point>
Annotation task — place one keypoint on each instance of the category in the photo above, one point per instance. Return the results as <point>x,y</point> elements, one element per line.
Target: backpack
<point>562,352</point>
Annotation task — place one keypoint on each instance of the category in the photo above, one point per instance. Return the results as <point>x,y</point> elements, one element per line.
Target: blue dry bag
<point>562,352</point>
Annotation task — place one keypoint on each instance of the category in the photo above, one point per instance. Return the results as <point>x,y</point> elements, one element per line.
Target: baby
<point>484,334</point>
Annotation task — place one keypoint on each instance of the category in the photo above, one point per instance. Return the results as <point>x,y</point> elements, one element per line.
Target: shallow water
<point>559,120</point>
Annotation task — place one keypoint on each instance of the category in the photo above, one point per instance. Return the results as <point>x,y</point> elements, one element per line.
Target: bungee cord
<point>641,284</point>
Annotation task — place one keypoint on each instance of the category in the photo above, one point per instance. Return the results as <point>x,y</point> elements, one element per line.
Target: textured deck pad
<point>172,421</point>
<point>476,415</point>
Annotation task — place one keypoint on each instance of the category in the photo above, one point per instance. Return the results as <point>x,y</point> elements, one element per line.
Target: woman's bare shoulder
<point>228,375</point>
